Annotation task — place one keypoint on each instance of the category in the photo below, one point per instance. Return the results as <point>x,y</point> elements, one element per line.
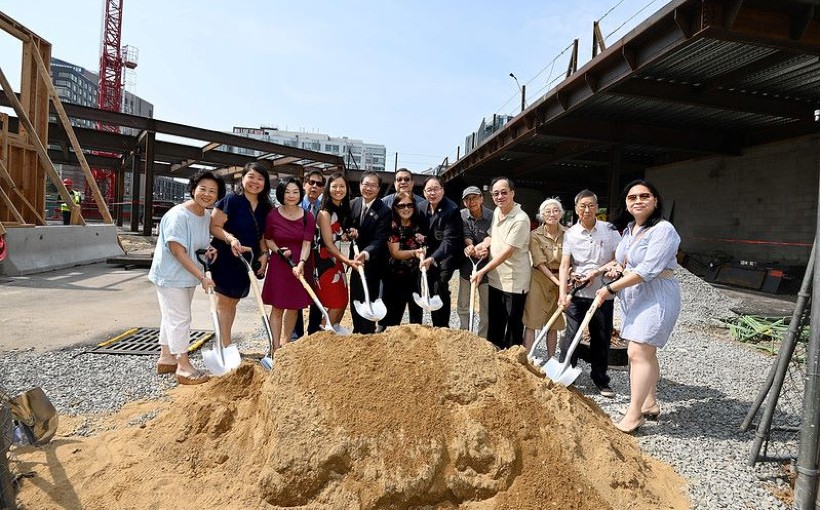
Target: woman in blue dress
<point>238,224</point>
<point>649,295</point>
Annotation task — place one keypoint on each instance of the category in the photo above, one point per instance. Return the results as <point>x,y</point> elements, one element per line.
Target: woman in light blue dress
<point>649,295</point>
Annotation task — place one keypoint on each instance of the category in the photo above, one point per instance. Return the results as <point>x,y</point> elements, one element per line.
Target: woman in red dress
<point>333,218</point>
<point>288,232</point>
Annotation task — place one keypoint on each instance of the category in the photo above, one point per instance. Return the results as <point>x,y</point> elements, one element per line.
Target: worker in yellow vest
<point>76,197</point>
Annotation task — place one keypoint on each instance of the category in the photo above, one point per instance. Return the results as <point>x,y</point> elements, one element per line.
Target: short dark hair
<point>510,183</point>
<point>315,172</point>
<point>405,170</point>
<point>280,188</point>
<point>431,178</point>
<point>370,173</point>
<point>201,175</point>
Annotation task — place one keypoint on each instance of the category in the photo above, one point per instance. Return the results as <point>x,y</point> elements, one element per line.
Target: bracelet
<point>609,289</point>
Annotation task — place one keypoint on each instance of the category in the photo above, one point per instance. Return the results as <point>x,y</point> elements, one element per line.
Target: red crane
<point>112,60</point>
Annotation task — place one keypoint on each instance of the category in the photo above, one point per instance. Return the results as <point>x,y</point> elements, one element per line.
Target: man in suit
<point>370,219</point>
<point>313,186</point>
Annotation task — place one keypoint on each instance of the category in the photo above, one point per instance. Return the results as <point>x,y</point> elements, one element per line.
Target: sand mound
<point>412,418</point>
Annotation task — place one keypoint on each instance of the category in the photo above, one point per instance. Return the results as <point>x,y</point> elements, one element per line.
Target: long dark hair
<point>414,219</point>
<point>342,210</point>
<point>622,218</point>
<point>262,169</point>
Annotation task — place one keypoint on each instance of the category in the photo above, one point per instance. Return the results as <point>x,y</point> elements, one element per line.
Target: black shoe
<point>606,391</point>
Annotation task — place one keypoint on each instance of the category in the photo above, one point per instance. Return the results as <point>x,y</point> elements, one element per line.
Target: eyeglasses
<point>584,207</point>
<point>408,205</point>
<point>500,193</point>
<point>643,196</point>
<point>316,183</point>
<point>369,185</point>
<point>403,179</point>
<point>433,190</point>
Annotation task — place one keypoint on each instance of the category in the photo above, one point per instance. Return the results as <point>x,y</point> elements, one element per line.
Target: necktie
<point>364,214</point>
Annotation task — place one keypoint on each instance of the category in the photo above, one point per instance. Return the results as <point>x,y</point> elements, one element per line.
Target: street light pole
<point>523,89</point>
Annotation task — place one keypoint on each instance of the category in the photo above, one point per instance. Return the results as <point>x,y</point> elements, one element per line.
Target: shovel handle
<point>361,275</point>
<point>545,330</point>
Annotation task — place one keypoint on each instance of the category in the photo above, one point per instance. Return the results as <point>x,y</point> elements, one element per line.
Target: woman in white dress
<point>649,295</point>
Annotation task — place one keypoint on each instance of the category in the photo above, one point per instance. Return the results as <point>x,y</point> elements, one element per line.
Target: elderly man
<point>403,181</point>
<point>476,219</point>
<point>371,220</point>
<point>588,246</point>
<point>509,269</point>
<point>313,186</point>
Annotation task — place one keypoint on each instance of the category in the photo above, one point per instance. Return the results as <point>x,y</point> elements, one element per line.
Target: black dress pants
<point>506,310</point>
<point>397,292</point>
<point>440,286</point>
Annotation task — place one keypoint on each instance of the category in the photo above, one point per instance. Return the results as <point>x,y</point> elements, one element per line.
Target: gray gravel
<point>708,383</point>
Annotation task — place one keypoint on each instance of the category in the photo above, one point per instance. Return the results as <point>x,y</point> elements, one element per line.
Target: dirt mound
<point>411,418</point>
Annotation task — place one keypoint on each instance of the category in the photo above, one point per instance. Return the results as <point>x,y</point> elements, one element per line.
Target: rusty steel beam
<point>689,95</point>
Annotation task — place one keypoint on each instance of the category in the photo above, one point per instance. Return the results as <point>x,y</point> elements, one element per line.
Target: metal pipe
<point>805,488</point>
<point>777,374</point>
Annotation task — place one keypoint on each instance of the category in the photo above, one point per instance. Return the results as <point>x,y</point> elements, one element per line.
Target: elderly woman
<point>649,295</point>
<point>183,230</point>
<point>542,300</point>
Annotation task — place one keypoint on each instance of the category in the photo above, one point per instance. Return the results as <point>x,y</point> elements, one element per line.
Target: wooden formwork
<point>24,161</point>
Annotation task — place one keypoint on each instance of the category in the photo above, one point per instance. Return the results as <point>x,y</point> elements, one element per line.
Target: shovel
<point>219,360</point>
<point>267,361</point>
<point>576,286</point>
<point>564,373</point>
<point>370,310</point>
<point>328,326</point>
<point>424,300</point>
<point>473,284</point>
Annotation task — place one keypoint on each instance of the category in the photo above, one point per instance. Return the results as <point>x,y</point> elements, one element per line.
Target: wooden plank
<point>10,205</point>
<point>78,151</point>
<point>38,146</point>
<point>4,173</point>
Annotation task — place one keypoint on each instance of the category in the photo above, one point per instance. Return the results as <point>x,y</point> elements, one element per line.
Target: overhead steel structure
<point>699,77</point>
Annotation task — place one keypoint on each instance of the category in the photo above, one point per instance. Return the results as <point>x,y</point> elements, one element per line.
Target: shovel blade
<point>553,369</point>
<point>340,330</point>
<point>368,311</point>
<point>420,301</point>
<point>436,303</point>
<point>379,310</point>
<point>569,376</point>
<point>219,365</point>
<point>267,363</point>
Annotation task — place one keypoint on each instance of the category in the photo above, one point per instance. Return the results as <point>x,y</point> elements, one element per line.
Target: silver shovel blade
<point>379,309</point>
<point>420,300</point>
<point>569,376</point>
<point>366,311</point>
<point>267,363</point>
<point>436,303</point>
<point>553,369</point>
<point>220,363</point>
<point>340,330</point>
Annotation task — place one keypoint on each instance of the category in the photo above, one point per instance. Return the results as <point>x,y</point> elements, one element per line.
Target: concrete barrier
<point>40,249</point>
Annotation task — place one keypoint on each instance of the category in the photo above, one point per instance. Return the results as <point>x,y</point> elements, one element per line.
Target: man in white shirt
<point>509,269</point>
<point>589,245</point>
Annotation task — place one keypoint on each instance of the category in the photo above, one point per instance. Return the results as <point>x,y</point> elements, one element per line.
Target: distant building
<point>78,85</point>
<point>485,130</point>
<point>356,153</point>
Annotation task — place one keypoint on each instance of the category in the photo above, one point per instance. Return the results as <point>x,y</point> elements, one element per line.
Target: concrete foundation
<point>41,249</point>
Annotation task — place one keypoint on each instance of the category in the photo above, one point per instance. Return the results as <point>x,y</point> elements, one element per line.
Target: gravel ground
<point>708,383</point>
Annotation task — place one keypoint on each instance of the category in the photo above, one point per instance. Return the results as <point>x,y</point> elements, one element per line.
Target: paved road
<point>89,304</point>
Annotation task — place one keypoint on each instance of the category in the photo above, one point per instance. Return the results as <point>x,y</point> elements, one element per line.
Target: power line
<point>630,18</point>
<point>610,10</point>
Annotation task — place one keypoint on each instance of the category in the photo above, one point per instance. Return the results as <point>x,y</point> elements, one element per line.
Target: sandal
<point>195,377</point>
<point>165,368</point>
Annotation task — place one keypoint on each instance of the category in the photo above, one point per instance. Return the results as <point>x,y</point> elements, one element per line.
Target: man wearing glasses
<point>403,181</point>
<point>370,220</point>
<point>313,186</point>
<point>588,246</point>
<point>509,269</point>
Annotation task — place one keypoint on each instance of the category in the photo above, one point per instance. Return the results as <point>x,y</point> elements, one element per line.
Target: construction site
<point>715,101</point>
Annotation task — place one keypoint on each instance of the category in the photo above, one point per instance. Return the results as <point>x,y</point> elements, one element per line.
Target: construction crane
<point>114,59</point>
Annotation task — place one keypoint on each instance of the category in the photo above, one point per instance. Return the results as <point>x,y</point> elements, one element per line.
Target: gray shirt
<point>475,230</point>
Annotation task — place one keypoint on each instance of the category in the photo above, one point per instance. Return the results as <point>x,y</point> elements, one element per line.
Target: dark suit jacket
<point>373,231</point>
<point>445,243</point>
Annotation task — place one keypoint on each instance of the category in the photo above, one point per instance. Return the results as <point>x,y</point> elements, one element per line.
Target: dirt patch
<point>415,417</point>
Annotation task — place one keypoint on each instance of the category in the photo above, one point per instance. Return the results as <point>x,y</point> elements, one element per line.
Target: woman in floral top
<point>407,239</point>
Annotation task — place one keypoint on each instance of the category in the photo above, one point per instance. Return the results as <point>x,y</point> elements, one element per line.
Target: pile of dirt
<point>414,417</point>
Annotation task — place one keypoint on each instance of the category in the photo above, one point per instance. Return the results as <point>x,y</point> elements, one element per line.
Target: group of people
<point>316,231</point>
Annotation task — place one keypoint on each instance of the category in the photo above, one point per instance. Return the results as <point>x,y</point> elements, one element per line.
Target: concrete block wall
<point>760,206</point>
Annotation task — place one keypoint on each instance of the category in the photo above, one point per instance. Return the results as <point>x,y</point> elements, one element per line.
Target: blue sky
<point>415,76</point>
